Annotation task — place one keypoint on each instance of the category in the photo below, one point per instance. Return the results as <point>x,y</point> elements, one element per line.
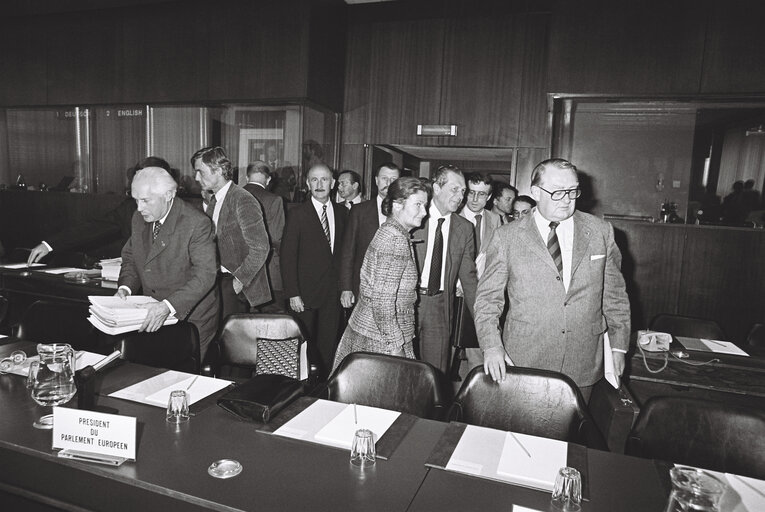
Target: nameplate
<point>94,433</point>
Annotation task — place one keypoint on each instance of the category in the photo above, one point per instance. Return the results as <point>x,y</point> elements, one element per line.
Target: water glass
<point>694,489</point>
<point>363,450</point>
<point>34,367</point>
<point>178,407</point>
<point>567,493</point>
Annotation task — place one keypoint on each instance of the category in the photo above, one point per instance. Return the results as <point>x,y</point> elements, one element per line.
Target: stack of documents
<point>114,315</point>
<point>716,346</point>
<point>110,269</point>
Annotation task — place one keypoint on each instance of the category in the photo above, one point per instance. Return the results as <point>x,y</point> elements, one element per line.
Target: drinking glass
<point>567,493</point>
<point>694,489</point>
<point>363,450</point>
<point>54,383</point>
<point>178,407</point>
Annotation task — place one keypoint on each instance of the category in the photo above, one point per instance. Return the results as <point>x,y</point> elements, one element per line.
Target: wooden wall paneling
<point>23,63</point>
<point>406,66</point>
<point>620,46</point>
<point>164,52</point>
<point>526,160</point>
<point>532,129</point>
<point>482,78</point>
<point>81,56</point>
<point>733,56</point>
<point>258,50</point>
<point>326,52</point>
<point>357,85</point>
<point>724,278</point>
<point>652,267</point>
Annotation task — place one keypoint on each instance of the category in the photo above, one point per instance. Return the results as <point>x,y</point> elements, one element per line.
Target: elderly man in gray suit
<point>561,269</point>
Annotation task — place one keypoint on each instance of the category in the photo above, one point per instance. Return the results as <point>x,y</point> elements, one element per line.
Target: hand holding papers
<point>114,315</point>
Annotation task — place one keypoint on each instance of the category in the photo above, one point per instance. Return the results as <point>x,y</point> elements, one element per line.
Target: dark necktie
<point>325,225</point>
<point>434,278</point>
<point>211,206</point>
<point>554,247</point>
<point>478,234</point>
<point>155,230</point>
<point>349,204</point>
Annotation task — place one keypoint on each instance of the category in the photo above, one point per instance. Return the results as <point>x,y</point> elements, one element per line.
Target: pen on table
<point>520,444</point>
<point>355,416</point>
<point>192,383</point>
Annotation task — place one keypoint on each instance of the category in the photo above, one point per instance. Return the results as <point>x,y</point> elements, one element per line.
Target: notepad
<point>532,461</point>
<point>339,432</point>
<point>200,387</point>
<point>751,491</point>
<point>707,345</point>
<point>156,390</point>
<point>15,266</point>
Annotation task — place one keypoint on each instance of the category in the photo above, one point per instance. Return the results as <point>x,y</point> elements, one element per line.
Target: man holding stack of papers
<point>114,315</point>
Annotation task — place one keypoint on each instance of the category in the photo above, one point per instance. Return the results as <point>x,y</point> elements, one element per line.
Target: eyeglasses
<point>557,195</point>
<point>476,193</point>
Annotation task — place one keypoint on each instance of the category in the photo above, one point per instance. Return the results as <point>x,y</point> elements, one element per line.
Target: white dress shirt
<point>380,217</point>
<point>318,206</point>
<point>565,232</point>
<point>433,216</point>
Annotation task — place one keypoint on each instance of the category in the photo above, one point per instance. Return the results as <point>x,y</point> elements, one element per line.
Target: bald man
<point>170,256</point>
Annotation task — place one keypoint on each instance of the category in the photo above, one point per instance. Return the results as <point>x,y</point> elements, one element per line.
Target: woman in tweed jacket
<point>383,319</point>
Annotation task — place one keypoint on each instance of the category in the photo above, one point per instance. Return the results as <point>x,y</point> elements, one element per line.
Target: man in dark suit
<point>310,262</point>
<point>170,256</point>
<point>446,252</point>
<point>258,177</point>
<point>240,232</point>
<point>104,235</point>
<point>560,268</point>
<point>363,222</point>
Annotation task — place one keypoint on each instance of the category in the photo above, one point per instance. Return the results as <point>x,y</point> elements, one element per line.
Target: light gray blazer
<point>548,327</point>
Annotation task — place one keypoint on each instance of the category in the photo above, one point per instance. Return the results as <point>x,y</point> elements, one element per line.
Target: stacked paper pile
<point>110,269</point>
<point>114,315</point>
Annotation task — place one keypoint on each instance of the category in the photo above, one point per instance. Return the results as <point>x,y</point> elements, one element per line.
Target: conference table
<point>170,470</point>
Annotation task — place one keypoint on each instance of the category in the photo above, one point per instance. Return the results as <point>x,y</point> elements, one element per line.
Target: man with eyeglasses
<point>561,270</point>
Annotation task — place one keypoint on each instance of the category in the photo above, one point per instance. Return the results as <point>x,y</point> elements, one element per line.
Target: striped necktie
<point>325,224</point>
<point>554,247</point>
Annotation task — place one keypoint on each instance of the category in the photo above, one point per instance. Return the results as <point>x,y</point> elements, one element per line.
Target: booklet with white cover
<point>156,390</point>
<point>339,432</point>
<point>532,461</point>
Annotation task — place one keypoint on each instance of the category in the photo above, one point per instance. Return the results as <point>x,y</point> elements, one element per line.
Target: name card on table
<point>94,436</point>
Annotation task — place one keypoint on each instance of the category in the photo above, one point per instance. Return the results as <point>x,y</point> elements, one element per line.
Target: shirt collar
<point>220,195</point>
<point>162,220</point>
<point>543,225</point>
<point>469,215</point>
<point>318,205</point>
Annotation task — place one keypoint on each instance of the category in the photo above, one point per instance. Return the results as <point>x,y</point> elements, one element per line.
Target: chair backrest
<point>276,335</point>
<point>175,347</point>
<point>46,321</point>
<point>687,326</point>
<point>529,401</point>
<point>712,435</point>
<point>389,382</point>
<point>756,337</point>
<point>3,309</point>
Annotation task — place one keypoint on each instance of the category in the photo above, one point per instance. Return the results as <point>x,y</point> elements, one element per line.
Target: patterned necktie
<point>554,247</point>
<point>478,234</point>
<point>325,224</point>
<point>155,230</point>
<point>211,206</point>
<point>434,278</point>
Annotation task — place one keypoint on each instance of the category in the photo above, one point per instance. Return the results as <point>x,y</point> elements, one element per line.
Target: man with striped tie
<point>561,270</point>
<point>310,261</point>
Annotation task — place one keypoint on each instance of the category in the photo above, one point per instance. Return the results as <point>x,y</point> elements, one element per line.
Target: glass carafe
<point>54,383</point>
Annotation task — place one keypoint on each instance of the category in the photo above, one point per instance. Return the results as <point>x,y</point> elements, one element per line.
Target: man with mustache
<point>311,262</point>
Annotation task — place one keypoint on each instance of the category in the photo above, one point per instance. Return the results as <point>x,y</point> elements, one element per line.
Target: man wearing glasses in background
<point>561,269</point>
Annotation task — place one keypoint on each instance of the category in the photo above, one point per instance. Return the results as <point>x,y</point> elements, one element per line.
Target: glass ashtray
<point>224,468</point>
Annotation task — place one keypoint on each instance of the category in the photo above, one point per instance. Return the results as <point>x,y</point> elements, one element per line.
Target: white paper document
<point>339,432</point>
<point>716,346</point>
<point>14,266</point>
<point>113,315</point>
<point>608,363</point>
<point>82,359</point>
<point>64,270</point>
<point>532,461</point>
<point>750,491</point>
<point>156,390</point>
<point>504,456</point>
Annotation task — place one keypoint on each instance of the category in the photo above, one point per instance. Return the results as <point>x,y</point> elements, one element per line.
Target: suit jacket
<point>243,244</point>
<point>179,266</point>
<point>363,222</point>
<point>309,268</point>
<point>490,222</point>
<point>546,326</point>
<point>460,260</point>
<point>273,210</point>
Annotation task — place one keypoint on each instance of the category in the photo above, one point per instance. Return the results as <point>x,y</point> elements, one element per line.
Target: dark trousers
<point>278,304</point>
<point>322,325</point>
<point>433,331</point>
<point>230,302</point>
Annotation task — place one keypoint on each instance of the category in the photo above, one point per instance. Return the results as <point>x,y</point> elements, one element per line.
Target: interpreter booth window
<point>666,160</point>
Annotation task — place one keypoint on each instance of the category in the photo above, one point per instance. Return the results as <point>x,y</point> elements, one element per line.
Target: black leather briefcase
<point>262,397</point>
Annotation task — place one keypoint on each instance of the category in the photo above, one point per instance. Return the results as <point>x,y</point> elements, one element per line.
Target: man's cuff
<point>619,350</point>
<point>47,245</point>
<point>126,288</point>
<point>170,307</point>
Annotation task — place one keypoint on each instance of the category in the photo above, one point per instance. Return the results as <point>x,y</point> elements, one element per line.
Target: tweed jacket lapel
<point>165,234</point>
<point>534,241</point>
<point>421,247</point>
<point>581,242</point>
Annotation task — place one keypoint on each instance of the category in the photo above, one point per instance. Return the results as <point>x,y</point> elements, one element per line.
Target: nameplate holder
<point>93,436</point>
